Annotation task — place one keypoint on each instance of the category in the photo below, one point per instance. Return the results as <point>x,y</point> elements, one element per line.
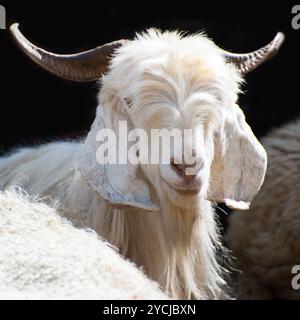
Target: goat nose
<point>181,168</point>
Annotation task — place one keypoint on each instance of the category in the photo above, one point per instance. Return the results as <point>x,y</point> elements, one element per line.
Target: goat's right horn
<point>85,66</point>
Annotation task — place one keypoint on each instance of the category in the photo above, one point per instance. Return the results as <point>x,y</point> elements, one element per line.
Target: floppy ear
<point>121,184</point>
<point>239,165</point>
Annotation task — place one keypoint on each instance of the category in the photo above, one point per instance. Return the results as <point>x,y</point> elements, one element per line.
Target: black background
<point>37,106</point>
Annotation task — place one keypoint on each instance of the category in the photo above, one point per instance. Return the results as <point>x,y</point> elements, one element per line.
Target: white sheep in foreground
<point>265,240</point>
<point>156,215</point>
<point>42,256</point>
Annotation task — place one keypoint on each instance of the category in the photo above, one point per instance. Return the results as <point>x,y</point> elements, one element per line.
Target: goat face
<point>162,81</point>
<point>181,93</point>
<point>165,81</point>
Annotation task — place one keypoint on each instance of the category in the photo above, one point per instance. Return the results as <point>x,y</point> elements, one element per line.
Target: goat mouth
<point>188,192</point>
<point>185,188</point>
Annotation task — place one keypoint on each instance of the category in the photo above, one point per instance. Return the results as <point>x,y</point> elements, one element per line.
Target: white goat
<point>157,215</point>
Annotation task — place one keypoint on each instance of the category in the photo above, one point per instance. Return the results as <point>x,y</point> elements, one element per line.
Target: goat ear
<point>239,166</point>
<point>120,184</point>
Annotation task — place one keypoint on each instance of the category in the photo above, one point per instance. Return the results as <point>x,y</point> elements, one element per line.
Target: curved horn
<point>246,62</point>
<point>85,66</point>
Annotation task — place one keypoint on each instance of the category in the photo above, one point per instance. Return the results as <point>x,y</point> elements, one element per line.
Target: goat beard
<point>192,240</point>
<point>176,247</point>
<point>184,200</point>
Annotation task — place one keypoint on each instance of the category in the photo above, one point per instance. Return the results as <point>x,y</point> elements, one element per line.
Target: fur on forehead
<point>193,62</point>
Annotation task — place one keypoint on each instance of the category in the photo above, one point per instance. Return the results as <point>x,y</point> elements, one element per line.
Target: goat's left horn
<point>246,62</point>
<point>85,66</point>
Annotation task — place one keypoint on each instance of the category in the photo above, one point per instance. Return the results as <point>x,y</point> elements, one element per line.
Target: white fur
<point>158,80</point>
<point>42,256</point>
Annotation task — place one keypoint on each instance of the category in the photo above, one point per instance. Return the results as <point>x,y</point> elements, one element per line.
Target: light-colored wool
<point>265,240</point>
<point>158,80</point>
<point>42,256</point>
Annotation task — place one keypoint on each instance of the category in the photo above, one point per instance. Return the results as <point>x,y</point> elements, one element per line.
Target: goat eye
<point>128,102</point>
